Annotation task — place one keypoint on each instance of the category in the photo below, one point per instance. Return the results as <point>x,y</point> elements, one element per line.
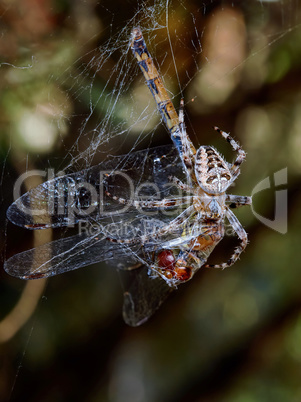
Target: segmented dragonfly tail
<point>174,125</point>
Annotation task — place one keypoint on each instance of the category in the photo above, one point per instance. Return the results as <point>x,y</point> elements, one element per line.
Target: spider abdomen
<point>212,171</point>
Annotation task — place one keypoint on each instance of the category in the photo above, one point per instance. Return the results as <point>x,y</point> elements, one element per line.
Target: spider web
<point>108,83</point>
<point>96,104</point>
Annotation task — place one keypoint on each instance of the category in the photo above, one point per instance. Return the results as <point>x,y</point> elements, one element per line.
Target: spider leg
<point>186,148</point>
<point>166,203</point>
<point>169,228</point>
<point>237,201</point>
<point>241,233</point>
<point>241,153</point>
<point>178,221</point>
<point>182,186</point>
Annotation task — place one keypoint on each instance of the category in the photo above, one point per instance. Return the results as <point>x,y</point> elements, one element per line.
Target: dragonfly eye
<point>166,259</point>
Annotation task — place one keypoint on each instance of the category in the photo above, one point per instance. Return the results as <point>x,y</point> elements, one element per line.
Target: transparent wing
<point>79,196</point>
<point>142,296</point>
<point>144,293</point>
<point>68,254</point>
<point>77,251</point>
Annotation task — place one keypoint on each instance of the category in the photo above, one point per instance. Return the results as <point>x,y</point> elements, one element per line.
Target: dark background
<point>232,335</point>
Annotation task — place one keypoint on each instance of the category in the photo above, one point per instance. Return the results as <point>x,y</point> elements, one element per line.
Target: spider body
<point>207,214</point>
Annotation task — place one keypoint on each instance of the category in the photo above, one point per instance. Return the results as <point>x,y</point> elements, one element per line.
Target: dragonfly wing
<point>142,296</point>
<point>68,199</point>
<point>68,254</point>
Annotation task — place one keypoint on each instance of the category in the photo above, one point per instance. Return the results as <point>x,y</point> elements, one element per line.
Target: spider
<point>208,175</point>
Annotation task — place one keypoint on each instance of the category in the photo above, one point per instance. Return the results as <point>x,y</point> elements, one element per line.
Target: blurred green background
<point>232,335</point>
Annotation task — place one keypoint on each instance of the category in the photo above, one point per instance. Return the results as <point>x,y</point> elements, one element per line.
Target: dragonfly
<point>157,214</point>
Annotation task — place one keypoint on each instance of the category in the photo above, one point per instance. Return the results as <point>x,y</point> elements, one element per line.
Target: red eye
<point>166,259</point>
